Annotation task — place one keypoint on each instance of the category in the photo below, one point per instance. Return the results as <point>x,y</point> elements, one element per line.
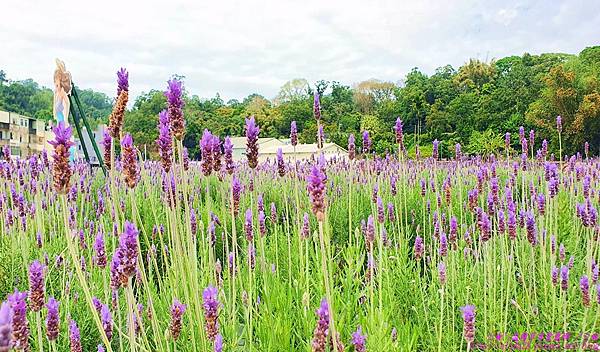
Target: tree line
<point>474,105</point>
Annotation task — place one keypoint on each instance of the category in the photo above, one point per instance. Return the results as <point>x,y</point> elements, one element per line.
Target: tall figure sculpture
<point>62,90</point>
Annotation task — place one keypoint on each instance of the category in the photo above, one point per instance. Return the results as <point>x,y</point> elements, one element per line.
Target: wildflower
<point>293,133</point>
<point>206,145</point>
<point>61,168</point>
<point>106,320</point>
<point>442,272</point>
<point>218,343</point>
<point>248,225</point>
<point>584,285</point>
<point>564,278</point>
<point>175,103</point>
<point>468,314</point>
<point>115,120</point>
<point>164,142</point>
<point>351,147</point>
<point>74,337</point>
<point>6,321</point>
<point>399,134</point>
<point>252,132</point>
<point>20,325</point>
<point>100,251</point>
<point>322,329</point>
<point>316,190</point>
<point>177,311</point>
<point>228,153</point>
<point>211,311</point>
<point>366,142</point>
<point>36,286</point>
<point>107,145</point>
<point>359,340</point>
<point>129,160</point>
<point>436,144</point>
<point>418,248</point>
<point>280,162</point>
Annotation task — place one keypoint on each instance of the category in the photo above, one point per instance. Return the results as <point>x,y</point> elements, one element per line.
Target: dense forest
<point>474,105</point>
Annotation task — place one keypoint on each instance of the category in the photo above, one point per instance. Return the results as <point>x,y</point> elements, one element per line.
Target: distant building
<point>267,149</point>
<point>27,135</point>
<point>24,135</point>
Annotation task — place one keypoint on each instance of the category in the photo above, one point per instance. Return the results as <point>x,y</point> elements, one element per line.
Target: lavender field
<point>365,253</point>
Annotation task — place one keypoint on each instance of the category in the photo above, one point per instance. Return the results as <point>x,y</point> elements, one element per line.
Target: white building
<point>267,149</point>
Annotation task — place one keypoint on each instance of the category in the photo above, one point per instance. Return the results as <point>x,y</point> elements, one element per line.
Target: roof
<point>240,142</point>
<point>302,148</point>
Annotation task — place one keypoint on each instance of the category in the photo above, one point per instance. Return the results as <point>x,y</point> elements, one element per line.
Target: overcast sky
<point>237,48</point>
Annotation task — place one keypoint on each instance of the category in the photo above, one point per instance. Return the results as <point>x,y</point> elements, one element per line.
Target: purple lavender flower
<point>206,145</point>
<point>262,226</point>
<point>177,311</point>
<point>252,132</point>
<point>584,285</point>
<point>317,106</point>
<point>554,275</point>
<point>52,319</point>
<point>164,142</point>
<point>305,227</point>
<point>468,314</point>
<point>125,258</point>
<point>236,189</point>
<point>174,95</point>
<point>442,273</point>
<point>531,229</point>
<point>370,231</point>
<point>436,144</point>
<point>6,321</point>
<point>359,340</point>
<point>211,311</point>
<point>316,189</point>
<point>418,248</point>
<point>107,321</point>
<point>399,133</point>
<point>293,133</point>
<point>564,278</point>
<point>100,251</point>
<point>559,123</point>
<point>280,163</point>
<point>20,325</point>
<point>366,142</point>
<point>36,286</point>
<point>122,80</point>
<point>248,225</point>
<point>320,136</point>
<point>107,145</point>
<point>321,332</point>
<point>380,211</point>
<point>216,153</point>
<point>74,337</point>
<point>457,152</point>
<point>351,147</point>
<point>131,171</point>
<point>218,343</point>
<point>251,255</point>
<point>228,154</point>
<point>443,251</point>
<point>61,168</point>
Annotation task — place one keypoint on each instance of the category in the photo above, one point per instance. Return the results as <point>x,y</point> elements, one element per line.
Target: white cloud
<point>241,47</point>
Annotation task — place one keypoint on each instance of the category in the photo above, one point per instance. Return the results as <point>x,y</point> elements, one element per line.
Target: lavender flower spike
<point>61,168</point>
<point>468,313</point>
<point>6,321</point>
<point>74,337</point>
<point>211,311</point>
<point>36,286</point>
<point>174,95</point>
<point>20,324</point>
<point>322,329</point>
<point>359,340</point>
<point>316,190</point>
<point>131,171</point>
<point>177,311</point>
<point>52,319</point>
<point>164,142</point>
<point>317,106</point>
<point>252,132</point>
<point>293,133</point>
<point>228,153</point>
